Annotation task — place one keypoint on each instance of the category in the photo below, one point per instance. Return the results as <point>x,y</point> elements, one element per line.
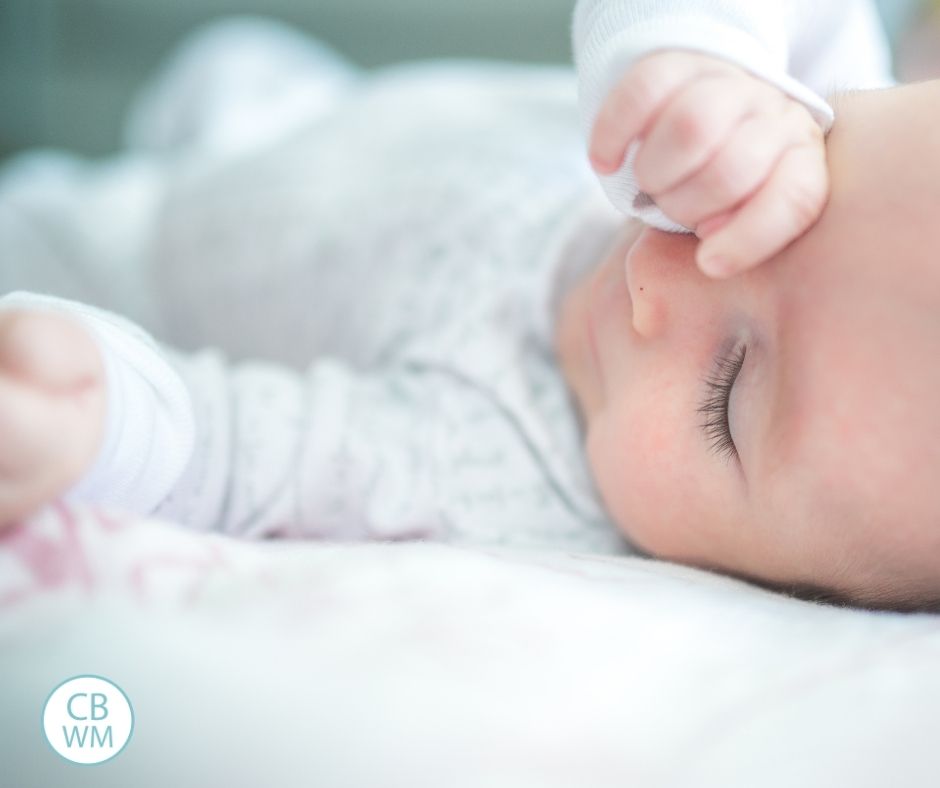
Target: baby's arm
<point>85,394</point>
<point>252,449</point>
<point>837,46</point>
<point>807,48</point>
<point>328,453</point>
<point>412,449</point>
<point>700,138</point>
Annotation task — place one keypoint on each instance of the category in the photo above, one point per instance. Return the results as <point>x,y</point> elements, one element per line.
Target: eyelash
<point>714,408</point>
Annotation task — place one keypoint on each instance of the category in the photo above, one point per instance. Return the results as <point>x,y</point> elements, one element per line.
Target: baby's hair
<point>878,600</point>
<point>883,598</point>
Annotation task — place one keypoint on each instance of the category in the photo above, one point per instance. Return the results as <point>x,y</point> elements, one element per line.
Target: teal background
<point>68,67</point>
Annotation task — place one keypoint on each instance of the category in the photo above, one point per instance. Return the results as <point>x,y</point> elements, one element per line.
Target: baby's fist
<point>720,151</point>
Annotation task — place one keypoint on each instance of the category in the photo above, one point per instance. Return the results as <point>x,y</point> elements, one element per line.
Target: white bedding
<point>415,664</point>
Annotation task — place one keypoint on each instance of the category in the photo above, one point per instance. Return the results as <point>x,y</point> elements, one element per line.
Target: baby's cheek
<point>631,461</point>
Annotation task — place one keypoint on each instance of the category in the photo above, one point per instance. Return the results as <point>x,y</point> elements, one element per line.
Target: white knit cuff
<point>603,67</point>
<point>149,430</point>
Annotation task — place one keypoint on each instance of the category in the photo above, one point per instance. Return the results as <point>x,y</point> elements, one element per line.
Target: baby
<point>754,398</point>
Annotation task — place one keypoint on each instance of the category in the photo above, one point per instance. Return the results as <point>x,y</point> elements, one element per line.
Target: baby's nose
<point>658,266</point>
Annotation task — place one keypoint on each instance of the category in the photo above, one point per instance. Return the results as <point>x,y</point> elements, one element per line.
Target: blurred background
<point>69,67</point>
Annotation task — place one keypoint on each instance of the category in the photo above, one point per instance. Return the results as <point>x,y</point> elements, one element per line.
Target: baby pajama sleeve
<point>253,449</point>
<point>148,432</point>
<point>807,48</point>
<point>327,453</point>
<point>410,449</point>
<point>406,450</point>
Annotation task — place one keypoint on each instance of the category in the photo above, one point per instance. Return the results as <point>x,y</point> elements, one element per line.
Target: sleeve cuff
<point>149,427</point>
<point>690,33</point>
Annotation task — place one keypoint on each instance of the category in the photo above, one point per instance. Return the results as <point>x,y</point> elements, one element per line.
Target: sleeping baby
<point>413,311</point>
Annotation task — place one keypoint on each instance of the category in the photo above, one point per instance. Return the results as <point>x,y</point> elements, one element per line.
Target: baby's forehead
<point>881,224</point>
<point>883,152</point>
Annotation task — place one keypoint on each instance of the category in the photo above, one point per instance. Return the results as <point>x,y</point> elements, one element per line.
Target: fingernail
<point>713,224</point>
<point>602,166</point>
<point>716,265</point>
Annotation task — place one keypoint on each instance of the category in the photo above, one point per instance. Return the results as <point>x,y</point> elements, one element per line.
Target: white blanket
<point>425,665</point>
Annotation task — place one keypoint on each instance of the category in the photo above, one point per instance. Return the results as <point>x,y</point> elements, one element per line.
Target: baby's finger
<point>788,203</point>
<point>713,224</point>
<point>736,171</point>
<point>634,102</point>
<point>24,468</point>
<point>692,127</point>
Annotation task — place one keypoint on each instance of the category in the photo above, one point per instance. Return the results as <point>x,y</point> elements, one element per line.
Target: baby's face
<point>826,360</point>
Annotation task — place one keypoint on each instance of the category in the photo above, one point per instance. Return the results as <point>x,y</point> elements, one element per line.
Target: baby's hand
<point>52,409</point>
<point>720,151</point>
